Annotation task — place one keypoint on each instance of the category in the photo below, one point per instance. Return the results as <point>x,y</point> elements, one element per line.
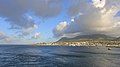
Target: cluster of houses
<point>82,43</point>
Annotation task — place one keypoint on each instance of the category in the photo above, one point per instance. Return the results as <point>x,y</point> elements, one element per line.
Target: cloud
<point>60,28</point>
<point>99,3</point>
<point>96,17</point>
<point>14,11</point>
<point>13,39</point>
<point>36,35</point>
<point>15,8</point>
<point>2,36</point>
<point>28,31</point>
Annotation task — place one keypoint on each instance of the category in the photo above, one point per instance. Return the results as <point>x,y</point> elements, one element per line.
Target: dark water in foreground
<point>35,56</point>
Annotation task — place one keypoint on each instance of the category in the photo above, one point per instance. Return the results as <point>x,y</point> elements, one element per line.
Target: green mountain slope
<point>87,38</point>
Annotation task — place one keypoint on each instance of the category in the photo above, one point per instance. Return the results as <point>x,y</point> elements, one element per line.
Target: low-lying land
<point>82,43</point>
<point>86,40</point>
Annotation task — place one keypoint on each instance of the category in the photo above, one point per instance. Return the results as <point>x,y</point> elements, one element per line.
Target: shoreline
<point>74,46</point>
<point>112,44</point>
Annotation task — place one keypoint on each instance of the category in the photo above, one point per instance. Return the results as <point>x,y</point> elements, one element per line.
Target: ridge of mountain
<point>87,38</point>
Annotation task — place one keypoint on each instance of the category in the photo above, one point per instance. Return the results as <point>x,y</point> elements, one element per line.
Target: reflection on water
<point>35,56</point>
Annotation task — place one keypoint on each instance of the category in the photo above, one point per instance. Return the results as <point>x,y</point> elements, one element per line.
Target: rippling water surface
<point>36,56</point>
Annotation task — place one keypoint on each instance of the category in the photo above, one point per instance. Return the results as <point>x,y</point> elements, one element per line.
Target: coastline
<point>112,44</point>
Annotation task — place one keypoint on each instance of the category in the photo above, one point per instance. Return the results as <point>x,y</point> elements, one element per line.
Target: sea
<point>58,56</point>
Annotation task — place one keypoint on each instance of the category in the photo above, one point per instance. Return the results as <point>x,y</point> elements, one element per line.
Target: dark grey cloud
<point>15,13</point>
<point>14,10</point>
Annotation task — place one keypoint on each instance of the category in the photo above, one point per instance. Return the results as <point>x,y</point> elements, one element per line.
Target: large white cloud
<point>94,17</point>
<point>99,3</point>
<point>36,35</point>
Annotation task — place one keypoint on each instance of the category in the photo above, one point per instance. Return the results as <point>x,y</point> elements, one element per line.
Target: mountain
<point>87,38</point>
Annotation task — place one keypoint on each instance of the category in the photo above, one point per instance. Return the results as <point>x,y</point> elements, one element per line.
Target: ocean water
<point>36,56</point>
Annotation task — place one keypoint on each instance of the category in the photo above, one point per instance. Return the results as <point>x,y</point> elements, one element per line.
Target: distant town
<point>86,40</point>
<point>82,43</point>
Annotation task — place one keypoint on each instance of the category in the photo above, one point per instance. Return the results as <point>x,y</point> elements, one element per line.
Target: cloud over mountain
<point>98,16</point>
<point>87,17</point>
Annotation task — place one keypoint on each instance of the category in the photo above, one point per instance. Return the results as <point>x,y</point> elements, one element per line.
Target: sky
<point>35,21</point>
